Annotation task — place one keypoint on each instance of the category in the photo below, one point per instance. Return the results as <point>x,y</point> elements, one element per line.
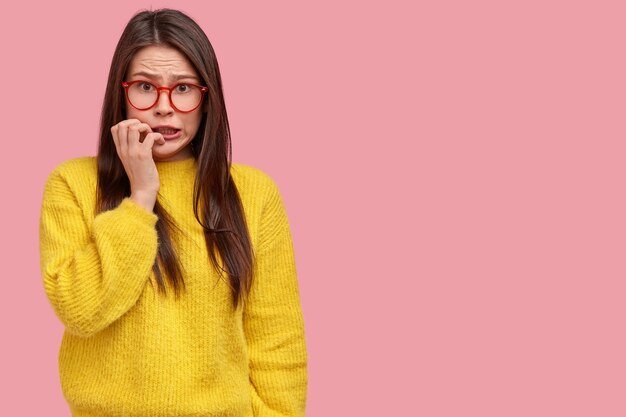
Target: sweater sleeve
<point>93,273</point>
<point>273,321</point>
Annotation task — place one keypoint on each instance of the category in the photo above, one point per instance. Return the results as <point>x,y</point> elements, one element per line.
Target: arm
<point>93,275</point>
<point>273,321</point>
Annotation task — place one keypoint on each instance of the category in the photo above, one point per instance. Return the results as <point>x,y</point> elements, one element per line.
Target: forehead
<point>165,63</point>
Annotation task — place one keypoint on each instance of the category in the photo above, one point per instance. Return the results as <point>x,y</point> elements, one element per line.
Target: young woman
<point>171,268</point>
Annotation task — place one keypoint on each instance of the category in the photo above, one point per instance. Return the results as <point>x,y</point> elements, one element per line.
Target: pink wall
<point>454,177</point>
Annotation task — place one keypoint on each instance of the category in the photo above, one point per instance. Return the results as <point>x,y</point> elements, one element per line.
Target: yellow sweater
<point>128,350</point>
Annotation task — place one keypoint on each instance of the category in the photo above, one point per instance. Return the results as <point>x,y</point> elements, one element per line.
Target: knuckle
<point>125,123</point>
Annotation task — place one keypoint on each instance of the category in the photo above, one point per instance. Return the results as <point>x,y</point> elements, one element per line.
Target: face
<point>162,65</point>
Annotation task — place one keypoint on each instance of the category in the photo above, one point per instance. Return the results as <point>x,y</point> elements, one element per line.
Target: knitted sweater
<point>127,350</point>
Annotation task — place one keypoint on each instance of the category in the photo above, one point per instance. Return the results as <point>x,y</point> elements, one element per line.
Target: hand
<point>134,141</point>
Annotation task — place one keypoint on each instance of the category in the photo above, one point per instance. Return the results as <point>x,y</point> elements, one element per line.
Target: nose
<point>163,105</point>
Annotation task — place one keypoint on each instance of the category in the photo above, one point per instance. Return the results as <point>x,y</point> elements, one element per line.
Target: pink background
<point>454,177</point>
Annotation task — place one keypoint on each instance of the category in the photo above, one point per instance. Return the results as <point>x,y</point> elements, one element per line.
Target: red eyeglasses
<point>184,97</point>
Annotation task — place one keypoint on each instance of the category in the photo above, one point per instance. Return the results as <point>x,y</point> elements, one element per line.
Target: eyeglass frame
<point>127,84</point>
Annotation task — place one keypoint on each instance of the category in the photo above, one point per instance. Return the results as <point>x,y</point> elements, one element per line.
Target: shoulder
<point>262,201</point>
<point>76,167</point>
<point>248,172</point>
<point>258,190</point>
<point>252,179</point>
<point>77,174</point>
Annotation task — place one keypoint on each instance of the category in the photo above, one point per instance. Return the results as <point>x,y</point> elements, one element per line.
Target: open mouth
<point>167,131</point>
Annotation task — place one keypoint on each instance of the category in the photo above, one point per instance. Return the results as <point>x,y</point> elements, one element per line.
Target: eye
<point>183,88</point>
<point>144,86</point>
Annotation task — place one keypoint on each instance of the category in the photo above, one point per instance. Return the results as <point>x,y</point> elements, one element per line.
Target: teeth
<point>167,131</point>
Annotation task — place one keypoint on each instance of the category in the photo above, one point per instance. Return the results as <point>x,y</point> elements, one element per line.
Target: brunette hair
<point>221,211</point>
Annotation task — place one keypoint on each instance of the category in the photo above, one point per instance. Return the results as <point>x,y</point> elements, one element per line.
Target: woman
<point>171,268</point>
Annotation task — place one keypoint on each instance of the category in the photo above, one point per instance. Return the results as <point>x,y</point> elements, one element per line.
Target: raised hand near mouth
<point>134,141</point>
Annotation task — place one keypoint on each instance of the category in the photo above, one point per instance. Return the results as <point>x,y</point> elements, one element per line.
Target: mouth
<point>168,133</point>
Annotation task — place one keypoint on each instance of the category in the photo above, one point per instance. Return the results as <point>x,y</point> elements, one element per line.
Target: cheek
<point>192,123</point>
<point>131,112</point>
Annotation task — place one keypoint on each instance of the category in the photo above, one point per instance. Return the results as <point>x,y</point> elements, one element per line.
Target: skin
<point>137,145</point>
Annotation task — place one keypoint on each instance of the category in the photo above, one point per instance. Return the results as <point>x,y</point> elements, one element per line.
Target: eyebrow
<point>174,76</point>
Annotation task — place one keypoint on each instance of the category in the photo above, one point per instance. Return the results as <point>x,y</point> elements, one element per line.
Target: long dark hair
<point>217,204</point>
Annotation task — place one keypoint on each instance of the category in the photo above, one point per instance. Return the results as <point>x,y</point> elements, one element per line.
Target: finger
<point>147,142</point>
<point>151,139</point>
<point>131,138</point>
<point>133,134</point>
<point>143,128</point>
<point>122,135</point>
<point>137,133</point>
<point>159,139</point>
<point>114,130</point>
<point>129,122</point>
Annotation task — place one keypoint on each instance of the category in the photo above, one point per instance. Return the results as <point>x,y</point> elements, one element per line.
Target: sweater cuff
<point>134,209</point>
